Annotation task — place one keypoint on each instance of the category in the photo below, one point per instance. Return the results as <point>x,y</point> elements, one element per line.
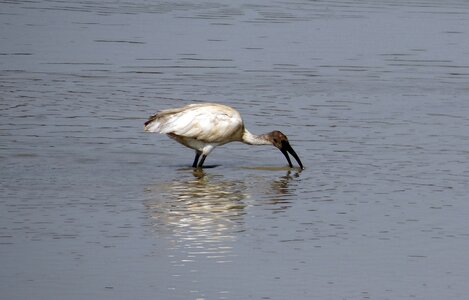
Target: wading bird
<point>203,127</point>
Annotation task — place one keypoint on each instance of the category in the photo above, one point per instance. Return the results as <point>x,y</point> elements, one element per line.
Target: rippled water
<point>373,97</point>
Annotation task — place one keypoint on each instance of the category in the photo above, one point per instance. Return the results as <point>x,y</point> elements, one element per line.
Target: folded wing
<point>211,123</point>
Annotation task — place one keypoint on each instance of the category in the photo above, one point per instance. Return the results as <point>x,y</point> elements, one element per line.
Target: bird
<point>204,126</point>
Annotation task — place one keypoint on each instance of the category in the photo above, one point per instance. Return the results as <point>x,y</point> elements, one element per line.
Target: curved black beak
<point>286,148</point>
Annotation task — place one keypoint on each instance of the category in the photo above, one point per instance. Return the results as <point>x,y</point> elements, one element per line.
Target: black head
<point>280,141</point>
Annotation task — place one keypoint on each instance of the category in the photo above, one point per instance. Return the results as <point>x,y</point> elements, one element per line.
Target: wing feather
<point>211,123</point>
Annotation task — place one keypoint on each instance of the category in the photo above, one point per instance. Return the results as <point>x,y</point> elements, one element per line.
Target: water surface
<point>372,95</point>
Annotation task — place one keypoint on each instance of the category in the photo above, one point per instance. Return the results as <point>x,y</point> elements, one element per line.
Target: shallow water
<point>372,95</point>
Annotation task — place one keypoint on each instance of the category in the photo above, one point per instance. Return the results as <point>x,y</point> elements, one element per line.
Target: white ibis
<point>203,127</point>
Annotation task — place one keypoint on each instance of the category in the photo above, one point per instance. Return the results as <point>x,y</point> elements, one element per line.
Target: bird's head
<point>280,141</point>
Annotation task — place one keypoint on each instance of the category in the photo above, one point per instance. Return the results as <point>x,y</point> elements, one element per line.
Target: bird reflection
<point>201,213</point>
<point>279,195</point>
<point>280,186</point>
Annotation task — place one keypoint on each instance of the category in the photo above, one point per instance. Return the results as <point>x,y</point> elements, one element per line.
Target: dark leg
<point>196,159</point>
<point>201,162</point>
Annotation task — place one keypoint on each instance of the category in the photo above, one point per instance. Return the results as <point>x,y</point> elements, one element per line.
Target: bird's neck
<point>252,139</point>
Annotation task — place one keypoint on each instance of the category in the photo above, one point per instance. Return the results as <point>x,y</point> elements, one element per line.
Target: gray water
<point>373,96</point>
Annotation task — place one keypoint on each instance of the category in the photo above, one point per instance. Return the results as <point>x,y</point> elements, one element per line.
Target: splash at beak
<point>286,148</point>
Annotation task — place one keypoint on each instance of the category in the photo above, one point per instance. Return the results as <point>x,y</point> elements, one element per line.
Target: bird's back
<point>207,122</point>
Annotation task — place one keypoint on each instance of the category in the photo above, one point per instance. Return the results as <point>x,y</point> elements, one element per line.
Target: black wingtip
<point>150,119</point>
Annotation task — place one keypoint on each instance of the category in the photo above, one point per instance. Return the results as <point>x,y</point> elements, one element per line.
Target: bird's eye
<point>275,140</point>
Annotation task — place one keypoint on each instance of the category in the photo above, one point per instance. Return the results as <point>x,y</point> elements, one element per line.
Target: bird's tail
<point>153,124</point>
<point>161,121</point>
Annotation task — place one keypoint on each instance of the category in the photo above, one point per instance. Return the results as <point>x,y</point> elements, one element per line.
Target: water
<point>372,95</point>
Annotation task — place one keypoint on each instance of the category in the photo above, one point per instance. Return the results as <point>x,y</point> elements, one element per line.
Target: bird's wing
<point>205,122</point>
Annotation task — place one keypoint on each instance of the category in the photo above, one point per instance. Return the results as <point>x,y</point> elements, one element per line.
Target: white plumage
<point>203,127</point>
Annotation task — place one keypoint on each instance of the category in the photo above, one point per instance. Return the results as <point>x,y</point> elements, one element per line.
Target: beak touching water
<point>286,148</point>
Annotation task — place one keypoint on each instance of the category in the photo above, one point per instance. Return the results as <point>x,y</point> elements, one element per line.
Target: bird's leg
<point>196,159</point>
<point>201,162</point>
